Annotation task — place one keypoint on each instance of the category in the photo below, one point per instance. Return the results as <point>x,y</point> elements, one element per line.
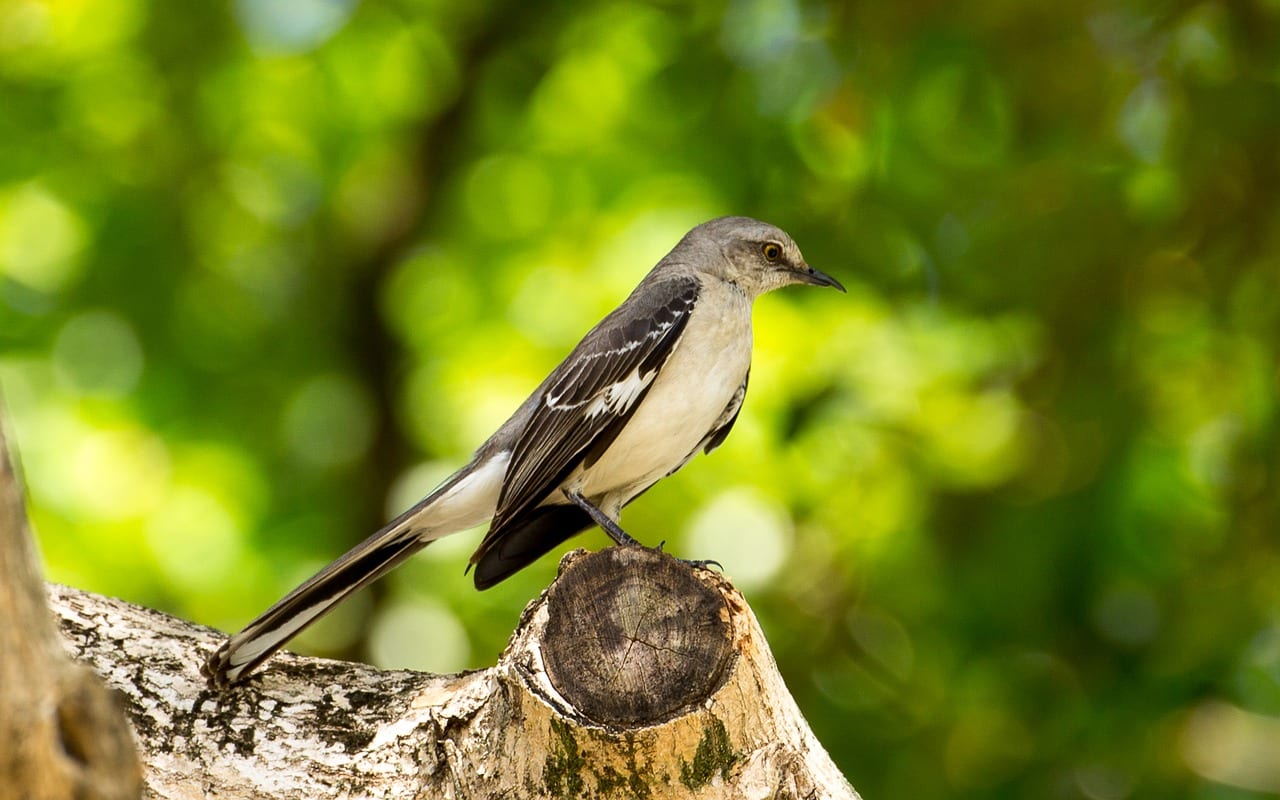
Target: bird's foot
<point>703,563</point>
<point>696,563</point>
<point>621,537</point>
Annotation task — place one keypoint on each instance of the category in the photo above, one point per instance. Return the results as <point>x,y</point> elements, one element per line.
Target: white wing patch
<point>556,400</point>
<point>618,397</point>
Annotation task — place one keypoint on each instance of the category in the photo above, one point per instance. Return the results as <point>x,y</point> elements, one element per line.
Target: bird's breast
<point>687,397</point>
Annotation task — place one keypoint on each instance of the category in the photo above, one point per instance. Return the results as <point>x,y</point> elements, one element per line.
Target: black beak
<point>818,278</point>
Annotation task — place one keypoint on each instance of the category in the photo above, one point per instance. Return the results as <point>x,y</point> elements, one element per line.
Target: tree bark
<point>62,733</point>
<point>632,676</point>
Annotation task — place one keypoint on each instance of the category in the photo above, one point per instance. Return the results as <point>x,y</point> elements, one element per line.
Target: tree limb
<point>631,676</point>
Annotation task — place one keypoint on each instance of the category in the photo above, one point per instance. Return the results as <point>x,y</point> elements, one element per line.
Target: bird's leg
<point>621,537</point>
<point>608,525</point>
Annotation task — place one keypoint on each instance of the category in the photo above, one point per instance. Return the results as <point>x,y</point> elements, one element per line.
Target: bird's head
<point>754,255</point>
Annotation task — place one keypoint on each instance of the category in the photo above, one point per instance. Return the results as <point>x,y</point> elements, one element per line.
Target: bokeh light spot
<point>1154,193</point>
<point>117,473</point>
<point>115,102</point>
<point>195,539</point>
<point>1100,782</point>
<point>41,238</point>
<point>746,532</point>
<point>833,150</point>
<point>962,115</point>
<point>1127,614</point>
<point>509,195</point>
<point>581,100</point>
<point>1146,121</point>
<point>23,24</point>
<point>329,421</point>
<point>884,639</point>
<point>292,26</point>
<point>1232,746</point>
<point>97,352</point>
<point>419,635</point>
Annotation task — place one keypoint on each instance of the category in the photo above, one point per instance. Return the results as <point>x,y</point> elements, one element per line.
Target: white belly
<point>686,398</point>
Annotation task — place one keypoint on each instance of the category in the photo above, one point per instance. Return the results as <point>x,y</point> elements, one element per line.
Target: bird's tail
<point>360,566</point>
<point>465,500</point>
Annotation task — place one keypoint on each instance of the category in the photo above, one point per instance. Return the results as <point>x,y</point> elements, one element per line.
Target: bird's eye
<point>772,251</point>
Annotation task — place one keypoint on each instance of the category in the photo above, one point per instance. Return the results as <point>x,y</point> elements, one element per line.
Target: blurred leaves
<point>1007,511</point>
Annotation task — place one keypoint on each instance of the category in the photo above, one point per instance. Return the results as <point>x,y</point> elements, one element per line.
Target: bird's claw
<point>700,563</point>
<point>704,563</point>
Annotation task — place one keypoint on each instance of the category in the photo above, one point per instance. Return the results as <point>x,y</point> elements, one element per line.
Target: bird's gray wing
<point>589,398</point>
<point>720,431</point>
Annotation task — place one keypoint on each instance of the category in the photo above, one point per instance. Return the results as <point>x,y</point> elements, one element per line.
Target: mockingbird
<point>660,378</point>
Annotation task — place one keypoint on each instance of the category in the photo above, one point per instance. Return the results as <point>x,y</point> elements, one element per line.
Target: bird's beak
<point>818,278</point>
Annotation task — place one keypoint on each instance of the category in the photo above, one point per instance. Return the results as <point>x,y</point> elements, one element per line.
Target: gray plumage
<point>659,379</point>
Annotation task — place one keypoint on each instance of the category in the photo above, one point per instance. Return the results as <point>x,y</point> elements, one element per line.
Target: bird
<point>661,378</point>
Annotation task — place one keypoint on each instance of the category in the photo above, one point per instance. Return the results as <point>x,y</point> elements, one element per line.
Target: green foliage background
<point>1007,510</point>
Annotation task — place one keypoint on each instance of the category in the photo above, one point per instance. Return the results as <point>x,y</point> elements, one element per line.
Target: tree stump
<point>633,637</point>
